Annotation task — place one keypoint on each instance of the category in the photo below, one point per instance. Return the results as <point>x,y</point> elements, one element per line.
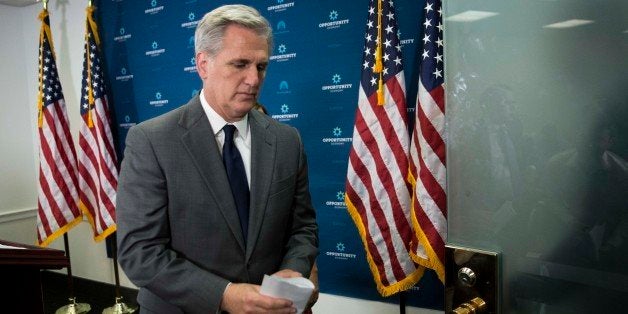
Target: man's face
<point>233,77</point>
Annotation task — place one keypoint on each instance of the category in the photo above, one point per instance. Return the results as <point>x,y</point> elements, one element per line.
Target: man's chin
<point>245,106</point>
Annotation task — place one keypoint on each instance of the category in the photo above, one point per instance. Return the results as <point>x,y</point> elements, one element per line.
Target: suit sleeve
<point>144,235</point>
<point>302,245</point>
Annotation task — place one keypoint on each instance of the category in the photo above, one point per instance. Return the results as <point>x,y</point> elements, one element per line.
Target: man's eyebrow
<point>240,60</point>
<point>247,61</point>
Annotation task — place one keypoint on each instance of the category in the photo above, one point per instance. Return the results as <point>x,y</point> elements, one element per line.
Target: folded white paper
<point>297,289</point>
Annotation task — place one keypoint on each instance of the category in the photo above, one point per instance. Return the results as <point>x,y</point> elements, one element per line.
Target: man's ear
<point>202,61</point>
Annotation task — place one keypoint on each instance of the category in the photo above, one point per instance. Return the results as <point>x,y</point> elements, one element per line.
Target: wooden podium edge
<point>30,255</point>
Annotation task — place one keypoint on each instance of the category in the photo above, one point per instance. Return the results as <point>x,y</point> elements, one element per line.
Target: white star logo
<point>281,48</point>
<point>333,15</point>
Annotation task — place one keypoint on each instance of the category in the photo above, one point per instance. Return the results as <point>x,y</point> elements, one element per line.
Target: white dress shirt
<point>242,138</point>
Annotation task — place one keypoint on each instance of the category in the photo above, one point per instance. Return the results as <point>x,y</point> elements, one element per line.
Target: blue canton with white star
<point>432,52</point>
<point>96,76</point>
<point>391,47</point>
<point>51,87</point>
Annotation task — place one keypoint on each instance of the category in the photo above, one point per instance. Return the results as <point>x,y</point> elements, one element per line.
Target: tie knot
<point>229,129</point>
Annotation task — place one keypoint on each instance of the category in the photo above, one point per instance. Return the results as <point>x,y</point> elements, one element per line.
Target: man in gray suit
<point>182,235</point>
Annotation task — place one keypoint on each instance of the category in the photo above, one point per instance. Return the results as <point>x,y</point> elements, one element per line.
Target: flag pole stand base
<point>74,308</point>
<point>119,308</point>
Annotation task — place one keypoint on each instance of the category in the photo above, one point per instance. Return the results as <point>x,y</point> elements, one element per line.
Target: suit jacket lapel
<point>262,163</point>
<point>201,145</point>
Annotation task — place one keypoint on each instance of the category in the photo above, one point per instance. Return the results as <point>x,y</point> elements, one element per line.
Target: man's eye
<point>239,65</point>
<point>261,67</point>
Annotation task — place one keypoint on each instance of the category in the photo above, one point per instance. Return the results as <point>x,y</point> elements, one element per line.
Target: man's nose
<point>253,76</point>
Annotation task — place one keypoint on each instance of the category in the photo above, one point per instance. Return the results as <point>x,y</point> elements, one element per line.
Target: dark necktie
<point>237,177</point>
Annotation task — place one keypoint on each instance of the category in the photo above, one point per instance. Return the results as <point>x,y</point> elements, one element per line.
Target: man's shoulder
<point>273,125</point>
<point>166,121</point>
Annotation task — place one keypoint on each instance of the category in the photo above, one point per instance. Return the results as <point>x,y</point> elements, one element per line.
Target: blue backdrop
<point>312,84</point>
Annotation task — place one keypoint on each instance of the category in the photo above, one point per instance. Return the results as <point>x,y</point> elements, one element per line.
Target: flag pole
<point>119,307</point>
<point>72,307</point>
<point>402,302</point>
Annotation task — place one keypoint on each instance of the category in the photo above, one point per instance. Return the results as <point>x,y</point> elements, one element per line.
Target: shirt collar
<point>217,122</point>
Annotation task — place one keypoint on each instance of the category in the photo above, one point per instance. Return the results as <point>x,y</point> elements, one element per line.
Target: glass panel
<point>538,147</point>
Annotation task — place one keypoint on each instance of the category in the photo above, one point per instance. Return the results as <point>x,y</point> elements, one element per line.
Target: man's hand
<point>287,273</point>
<point>245,298</point>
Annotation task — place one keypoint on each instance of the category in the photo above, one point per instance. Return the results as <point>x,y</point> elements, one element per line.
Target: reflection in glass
<point>538,148</point>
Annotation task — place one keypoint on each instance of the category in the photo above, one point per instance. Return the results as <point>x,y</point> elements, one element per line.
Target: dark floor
<point>98,295</point>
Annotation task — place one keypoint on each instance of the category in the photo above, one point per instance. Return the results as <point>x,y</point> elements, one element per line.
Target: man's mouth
<point>248,95</point>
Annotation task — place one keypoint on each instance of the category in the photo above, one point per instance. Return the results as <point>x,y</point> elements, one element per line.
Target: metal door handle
<point>476,305</point>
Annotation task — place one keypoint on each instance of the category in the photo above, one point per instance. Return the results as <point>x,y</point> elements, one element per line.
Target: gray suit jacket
<point>179,236</point>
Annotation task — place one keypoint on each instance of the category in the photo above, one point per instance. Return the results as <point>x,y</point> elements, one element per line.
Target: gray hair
<point>210,30</point>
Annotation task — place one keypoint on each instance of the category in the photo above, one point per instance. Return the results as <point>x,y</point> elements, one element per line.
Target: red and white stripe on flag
<point>377,193</point>
<point>427,149</point>
<point>57,209</point>
<point>97,165</point>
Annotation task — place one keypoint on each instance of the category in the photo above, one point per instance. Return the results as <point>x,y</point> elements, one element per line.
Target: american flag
<point>427,150</point>
<point>377,193</point>
<point>98,167</point>
<point>57,209</point>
